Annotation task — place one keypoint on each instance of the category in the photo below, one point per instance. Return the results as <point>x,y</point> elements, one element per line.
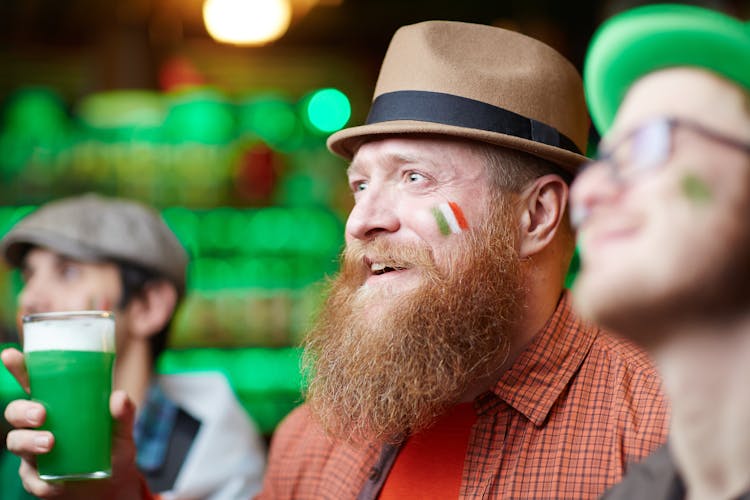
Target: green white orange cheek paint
<point>99,304</point>
<point>450,218</point>
<point>696,189</point>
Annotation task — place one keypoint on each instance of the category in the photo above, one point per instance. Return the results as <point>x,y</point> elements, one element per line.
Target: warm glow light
<point>247,22</point>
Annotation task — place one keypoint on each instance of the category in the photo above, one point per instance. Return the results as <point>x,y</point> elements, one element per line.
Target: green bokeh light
<point>122,108</point>
<point>36,112</point>
<point>200,115</point>
<point>123,115</point>
<point>270,117</point>
<point>328,110</point>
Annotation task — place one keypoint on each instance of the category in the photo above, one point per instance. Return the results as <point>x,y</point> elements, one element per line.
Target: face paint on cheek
<point>99,304</point>
<point>696,189</point>
<point>450,218</point>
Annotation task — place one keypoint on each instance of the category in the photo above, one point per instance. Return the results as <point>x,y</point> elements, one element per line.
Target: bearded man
<point>446,362</point>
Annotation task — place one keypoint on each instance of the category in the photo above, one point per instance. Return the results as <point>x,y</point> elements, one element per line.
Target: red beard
<point>381,377</point>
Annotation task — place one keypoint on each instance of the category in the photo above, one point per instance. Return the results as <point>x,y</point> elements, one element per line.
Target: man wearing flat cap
<point>92,252</point>
<point>446,361</point>
<point>663,232</point>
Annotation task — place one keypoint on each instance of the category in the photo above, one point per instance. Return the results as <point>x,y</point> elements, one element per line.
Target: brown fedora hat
<point>476,82</point>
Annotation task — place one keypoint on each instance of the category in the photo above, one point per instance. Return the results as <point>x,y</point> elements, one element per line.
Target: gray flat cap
<point>93,228</point>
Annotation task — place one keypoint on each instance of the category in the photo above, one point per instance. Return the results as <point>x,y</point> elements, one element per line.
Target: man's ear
<point>149,311</point>
<point>542,209</point>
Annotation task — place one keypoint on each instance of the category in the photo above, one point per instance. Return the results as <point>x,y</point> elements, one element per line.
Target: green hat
<point>646,39</point>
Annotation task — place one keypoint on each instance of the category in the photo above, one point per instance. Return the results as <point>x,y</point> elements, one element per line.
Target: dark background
<point>122,43</point>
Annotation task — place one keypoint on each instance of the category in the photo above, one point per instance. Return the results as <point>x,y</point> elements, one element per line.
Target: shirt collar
<point>542,371</point>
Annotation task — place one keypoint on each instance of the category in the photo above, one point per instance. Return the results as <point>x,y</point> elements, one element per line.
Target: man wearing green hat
<point>663,232</point>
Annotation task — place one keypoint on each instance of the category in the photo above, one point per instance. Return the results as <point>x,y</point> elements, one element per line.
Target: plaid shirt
<point>153,428</point>
<point>562,423</point>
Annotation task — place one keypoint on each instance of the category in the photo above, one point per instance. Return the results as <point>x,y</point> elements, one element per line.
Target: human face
<point>53,282</point>
<point>375,376</point>
<point>668,243</point>
<point>397,182</point>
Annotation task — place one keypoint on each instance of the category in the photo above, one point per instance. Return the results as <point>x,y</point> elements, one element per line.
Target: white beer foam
<point>74,334</point>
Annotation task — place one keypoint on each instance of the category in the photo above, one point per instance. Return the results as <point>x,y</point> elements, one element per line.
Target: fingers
<point>34,485</point>
<point>27,443</point>
<point>14,362</point>
<point>24,414</point>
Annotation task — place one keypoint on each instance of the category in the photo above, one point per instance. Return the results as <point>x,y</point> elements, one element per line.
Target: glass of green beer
<point>69,357</point>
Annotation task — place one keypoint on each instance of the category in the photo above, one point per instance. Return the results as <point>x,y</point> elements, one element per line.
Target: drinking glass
<point>69,357</point>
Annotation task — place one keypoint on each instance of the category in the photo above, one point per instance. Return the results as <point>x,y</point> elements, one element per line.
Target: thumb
<point>125,477</point>
<point>123,411</point>
<point>123,446</point>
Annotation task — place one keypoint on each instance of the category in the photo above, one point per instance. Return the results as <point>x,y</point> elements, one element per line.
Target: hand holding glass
<point>69,357</point>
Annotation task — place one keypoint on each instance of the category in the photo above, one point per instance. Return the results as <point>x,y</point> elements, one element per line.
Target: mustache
<point>358,255</point>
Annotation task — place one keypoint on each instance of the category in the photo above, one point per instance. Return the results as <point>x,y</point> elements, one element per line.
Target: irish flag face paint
<point>450,218</point>
<point>696,189</point>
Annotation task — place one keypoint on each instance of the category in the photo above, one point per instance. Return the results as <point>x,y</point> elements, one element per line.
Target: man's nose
<point>375,212</point>
<point>33,298</point>
<point>594,186</point>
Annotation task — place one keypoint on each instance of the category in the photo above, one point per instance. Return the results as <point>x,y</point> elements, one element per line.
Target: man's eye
<point>415,176</point>
<point>359,186</point>
<point>650,145</point>
<point>69,271</point>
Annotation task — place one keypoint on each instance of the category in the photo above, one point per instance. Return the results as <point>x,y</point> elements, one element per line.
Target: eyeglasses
<point>650,146</point>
